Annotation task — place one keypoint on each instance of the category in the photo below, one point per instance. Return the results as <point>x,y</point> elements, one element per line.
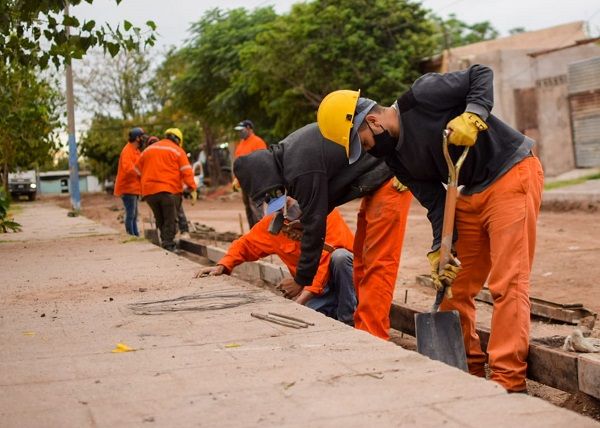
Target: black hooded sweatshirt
<point>315,172</point>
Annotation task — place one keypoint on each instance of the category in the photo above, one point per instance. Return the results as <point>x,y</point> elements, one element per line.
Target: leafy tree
<point>29,107</point>
<point>121,93</point>
<point>325,45</point>
<point>102,145</point>
<point>35,33</point>
<point>453,32</point>
<point>205,82</point>
<point>116,84</point>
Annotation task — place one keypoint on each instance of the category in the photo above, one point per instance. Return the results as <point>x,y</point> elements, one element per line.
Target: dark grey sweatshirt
<point>316,173</point>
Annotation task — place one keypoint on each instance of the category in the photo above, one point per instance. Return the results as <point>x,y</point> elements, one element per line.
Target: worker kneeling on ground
<point>163,166</point>
<point>280,232</point>
<point>321,176</point>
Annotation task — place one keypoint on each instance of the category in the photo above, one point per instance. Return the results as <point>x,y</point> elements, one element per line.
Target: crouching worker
<point>332,290</point>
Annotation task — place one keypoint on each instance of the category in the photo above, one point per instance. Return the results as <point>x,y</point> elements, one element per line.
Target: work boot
<point>172,249</point>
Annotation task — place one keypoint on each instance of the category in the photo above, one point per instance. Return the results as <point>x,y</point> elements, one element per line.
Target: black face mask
<point>385,144</point>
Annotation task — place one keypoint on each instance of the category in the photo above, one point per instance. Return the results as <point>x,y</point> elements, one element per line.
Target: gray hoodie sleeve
<point>473,87</point>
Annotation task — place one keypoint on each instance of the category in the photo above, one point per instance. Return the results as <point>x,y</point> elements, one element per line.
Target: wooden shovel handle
<point>449,210</point>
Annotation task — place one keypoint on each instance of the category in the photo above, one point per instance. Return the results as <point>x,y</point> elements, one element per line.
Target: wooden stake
<point>241,223</point>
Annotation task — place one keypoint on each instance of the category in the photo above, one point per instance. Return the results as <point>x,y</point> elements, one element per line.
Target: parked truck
<point>23,183</point>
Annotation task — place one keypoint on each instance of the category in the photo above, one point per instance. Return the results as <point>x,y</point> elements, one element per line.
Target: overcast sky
<point>174,16</point>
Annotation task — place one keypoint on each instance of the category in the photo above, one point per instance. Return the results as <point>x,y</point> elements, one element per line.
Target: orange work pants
<point>496,241</point>
<point>377,245</point>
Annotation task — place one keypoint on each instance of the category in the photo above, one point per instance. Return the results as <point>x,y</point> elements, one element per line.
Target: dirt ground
<point>565,270</point>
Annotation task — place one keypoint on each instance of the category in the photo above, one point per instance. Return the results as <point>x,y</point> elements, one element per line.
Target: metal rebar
<point>291,318</point>
<point>275,320</point>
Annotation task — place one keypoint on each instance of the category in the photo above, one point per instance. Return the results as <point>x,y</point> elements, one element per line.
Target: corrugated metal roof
<point>584,75</point>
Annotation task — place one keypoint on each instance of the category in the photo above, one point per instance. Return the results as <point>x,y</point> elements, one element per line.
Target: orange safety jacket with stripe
<point>249,145</point>
<point>163,167</point>
<point>128,181</point>
<point>258,243</point>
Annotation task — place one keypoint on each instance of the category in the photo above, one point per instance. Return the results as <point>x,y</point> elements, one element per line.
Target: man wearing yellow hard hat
<point>497,209</point>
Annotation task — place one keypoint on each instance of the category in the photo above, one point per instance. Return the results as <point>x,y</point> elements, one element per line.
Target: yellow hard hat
<point>176,132</point>
<point>339,116</point>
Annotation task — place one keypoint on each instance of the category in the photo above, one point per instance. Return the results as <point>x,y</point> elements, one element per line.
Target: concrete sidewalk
<point>202,361</point>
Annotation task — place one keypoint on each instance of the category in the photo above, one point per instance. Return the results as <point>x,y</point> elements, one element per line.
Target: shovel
<point>439,335</point>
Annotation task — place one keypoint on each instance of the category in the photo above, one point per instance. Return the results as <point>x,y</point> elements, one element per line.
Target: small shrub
<point>7,224</point>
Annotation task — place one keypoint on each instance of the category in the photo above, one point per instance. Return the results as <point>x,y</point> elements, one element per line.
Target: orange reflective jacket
<point>128,181</point>
<point>260,243</point>
<point>164,166</point>
<point>250,144</point>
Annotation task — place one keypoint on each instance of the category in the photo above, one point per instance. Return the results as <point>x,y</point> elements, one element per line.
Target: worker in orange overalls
<point>496,211</point>
<point>249,142</point>
<point>320,176</point>
<point>163,167</point>
<point>332,290</point>
<point>127,183</point>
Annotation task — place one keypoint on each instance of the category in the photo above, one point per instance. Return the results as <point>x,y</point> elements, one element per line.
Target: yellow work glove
<point>448,275</point>
<point>235,185</point>
<point>194,195</point>
<point>465,129</point>
<point>397,184</point>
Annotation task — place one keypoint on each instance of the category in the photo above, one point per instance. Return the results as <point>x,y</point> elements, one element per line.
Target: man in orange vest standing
<point>163,166</point>
<point>127,183</point>
<point>249,142</point>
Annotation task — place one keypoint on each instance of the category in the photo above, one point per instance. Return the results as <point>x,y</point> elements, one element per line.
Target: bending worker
<point>249,142</point>
<point>127,183</point>
<point>332,290</point>
<point>317,174</point>
<point>496,211</point>
<point>163,167</point>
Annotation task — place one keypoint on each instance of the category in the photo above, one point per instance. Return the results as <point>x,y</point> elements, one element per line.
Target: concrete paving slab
<point>211,364</point>
<point>55,224</point>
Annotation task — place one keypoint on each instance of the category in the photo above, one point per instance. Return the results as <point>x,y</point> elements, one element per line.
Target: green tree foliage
<point>453,32</point>
<point>207,82</point>
<point>29,107</point>
<point>6,222</point>
<point>331,44</point>
<point>102,144</point>
<point>121,93</point>
<point>34,33</point>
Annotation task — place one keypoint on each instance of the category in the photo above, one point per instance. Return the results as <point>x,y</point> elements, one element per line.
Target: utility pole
<point>73,164</point>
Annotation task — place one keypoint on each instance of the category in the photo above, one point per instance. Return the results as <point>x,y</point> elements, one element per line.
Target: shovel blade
<point>439,337</point>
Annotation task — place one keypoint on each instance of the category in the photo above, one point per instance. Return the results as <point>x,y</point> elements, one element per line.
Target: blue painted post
<point>73,165</point>
<point>74,174</point>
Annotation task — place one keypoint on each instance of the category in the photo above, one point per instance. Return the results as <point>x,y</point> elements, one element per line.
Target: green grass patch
<point>572,182</point>
<point>133,239</point>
